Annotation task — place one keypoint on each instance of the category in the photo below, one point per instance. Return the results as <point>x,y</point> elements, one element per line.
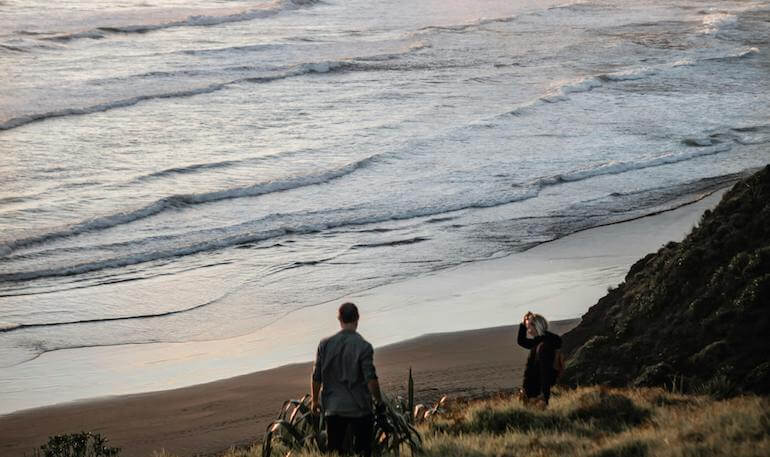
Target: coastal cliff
<point>695,315</point>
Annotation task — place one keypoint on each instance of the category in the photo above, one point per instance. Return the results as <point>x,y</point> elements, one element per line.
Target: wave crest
<point>617,167</point>
<point>8,326</point>
<point>190,21</point>
<point>178,201</point>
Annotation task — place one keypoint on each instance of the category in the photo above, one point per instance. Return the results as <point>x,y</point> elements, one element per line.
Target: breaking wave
<point>8,326</point>
<point>179,201</point>
<point>616,167</point>
<point>299,70</point>
<point>277,225</point>
<point>5,327</point>
<point>359,64</point>
<point>191,21</point>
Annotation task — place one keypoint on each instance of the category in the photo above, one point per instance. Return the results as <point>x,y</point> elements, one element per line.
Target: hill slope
<point>697,311</point>
<point>588,422</point>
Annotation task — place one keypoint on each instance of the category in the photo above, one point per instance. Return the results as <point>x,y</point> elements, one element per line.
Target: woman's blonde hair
<point>539,324</point>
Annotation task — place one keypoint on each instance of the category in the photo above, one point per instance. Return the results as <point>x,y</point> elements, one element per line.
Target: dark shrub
<point>83,444</point>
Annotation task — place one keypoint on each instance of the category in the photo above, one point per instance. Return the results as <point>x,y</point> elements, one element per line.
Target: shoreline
<point>455,323</point>
<point>208,419</point>
<point>467,296</point>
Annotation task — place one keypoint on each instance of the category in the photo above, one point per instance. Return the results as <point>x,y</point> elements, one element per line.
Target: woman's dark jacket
<point>539,375</point>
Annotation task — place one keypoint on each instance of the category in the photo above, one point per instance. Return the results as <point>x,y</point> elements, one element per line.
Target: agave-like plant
<point>297,427</point>
<point>423,413</point>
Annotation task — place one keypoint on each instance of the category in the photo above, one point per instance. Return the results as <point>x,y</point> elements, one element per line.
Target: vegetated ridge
<point>694,315</point>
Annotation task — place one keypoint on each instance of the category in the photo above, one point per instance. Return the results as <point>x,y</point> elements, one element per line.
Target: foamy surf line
<point>191,21</point>
<point>299,70</point>
<point>9,327</point>
<point>175,202</point>
<point>558,93</point>
<point>246,233</point>
<point>295,71</point>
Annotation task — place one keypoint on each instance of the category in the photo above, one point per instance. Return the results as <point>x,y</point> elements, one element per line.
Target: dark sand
<point>210,418</point>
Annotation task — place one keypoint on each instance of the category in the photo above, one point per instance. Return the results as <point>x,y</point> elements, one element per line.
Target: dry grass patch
<point>595,422</point>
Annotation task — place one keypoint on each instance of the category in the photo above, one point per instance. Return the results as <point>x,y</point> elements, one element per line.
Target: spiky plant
<point>297,427</point>
<point>410,396</point>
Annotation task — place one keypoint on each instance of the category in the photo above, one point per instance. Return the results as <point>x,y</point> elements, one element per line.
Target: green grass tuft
<point>607,412</point>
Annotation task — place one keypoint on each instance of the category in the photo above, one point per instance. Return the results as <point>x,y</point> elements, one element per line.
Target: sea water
<point>193,171</point>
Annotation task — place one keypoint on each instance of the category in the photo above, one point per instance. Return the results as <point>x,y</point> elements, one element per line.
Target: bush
<point>83,444</point>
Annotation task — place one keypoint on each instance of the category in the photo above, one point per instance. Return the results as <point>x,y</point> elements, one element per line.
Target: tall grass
<point>595,422</point>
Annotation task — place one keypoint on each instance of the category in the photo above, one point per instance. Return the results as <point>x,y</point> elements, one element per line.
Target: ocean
<point>188,172</point>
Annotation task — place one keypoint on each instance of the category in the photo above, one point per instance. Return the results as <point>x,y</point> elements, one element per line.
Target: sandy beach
<point>561,279</point>
<point>212,417</point>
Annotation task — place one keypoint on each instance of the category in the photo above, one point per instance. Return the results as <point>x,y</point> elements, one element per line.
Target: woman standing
<point>539,374</point>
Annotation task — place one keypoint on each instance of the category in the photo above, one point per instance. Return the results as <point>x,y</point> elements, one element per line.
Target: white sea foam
<point>248,233</point>
<point>191,21</point>
<point>297,70</point>
<point>561,90</point>
<point>616,167</point>
<point>7,326</point>
<point>177,201</point>
<point>714,22</point>
<point>630,74</point>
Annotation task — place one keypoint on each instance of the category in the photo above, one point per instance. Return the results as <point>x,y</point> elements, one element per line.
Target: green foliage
<point>297,428</point>
<point>83,444</point>
<point>719,387</point>
<point>410,397</point>
<point>690,309</point>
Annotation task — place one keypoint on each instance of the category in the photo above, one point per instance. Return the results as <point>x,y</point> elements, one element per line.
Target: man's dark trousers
<point>361,427</point>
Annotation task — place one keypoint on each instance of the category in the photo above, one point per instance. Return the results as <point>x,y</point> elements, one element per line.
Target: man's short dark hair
<point>348,313</point>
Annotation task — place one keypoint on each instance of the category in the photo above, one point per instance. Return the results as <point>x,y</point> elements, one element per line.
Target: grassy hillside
<point>596,422</point>
<point>696,313</point>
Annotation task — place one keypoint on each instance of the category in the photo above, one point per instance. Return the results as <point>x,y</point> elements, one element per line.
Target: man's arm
<point>370,374</point>
<point>374,389</point>
<point>316,379</point>
<point>315,389</point>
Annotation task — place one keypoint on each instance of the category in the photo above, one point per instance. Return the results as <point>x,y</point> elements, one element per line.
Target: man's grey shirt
<point>344,365</point>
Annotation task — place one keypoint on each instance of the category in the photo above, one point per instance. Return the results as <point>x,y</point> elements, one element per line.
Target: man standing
<point>345,377</point>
